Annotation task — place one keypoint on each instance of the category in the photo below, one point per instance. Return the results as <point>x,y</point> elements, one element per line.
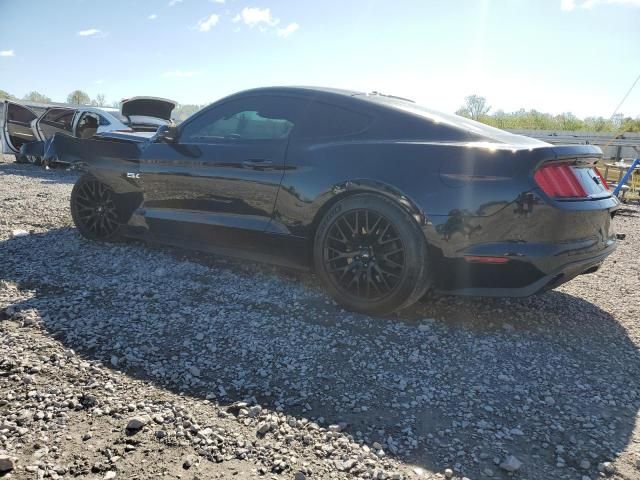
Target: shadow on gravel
<point>627,212</point>
<point>53,175</point>
<point>552,379</point>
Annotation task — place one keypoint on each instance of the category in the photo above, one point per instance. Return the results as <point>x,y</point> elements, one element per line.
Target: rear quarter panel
<point>412,170</point>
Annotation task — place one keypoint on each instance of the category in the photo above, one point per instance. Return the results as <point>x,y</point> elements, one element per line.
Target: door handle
<point>258,164</point>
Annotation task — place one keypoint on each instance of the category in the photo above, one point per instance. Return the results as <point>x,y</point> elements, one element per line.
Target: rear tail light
<point>602,179</point>
<point>559,181</point>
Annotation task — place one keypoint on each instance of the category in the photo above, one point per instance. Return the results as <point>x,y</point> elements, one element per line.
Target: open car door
<point>55,120</point>
<point>16,127</point>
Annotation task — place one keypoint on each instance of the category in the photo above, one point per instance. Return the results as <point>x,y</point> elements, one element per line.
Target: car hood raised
<point>148,107</point>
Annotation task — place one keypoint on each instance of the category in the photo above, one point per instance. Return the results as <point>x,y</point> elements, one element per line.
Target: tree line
<point>477,108</point>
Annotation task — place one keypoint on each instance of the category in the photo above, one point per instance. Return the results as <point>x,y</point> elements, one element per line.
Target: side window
<point>325,120</point>
<point>87,125</point>
<point>19,114</point>
<point>103,121</point>
<point>61,118</point>
<point>247,119</point>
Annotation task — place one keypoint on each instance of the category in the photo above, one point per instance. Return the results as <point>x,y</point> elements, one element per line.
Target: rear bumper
<point>524,274</point>
<point>540,249</point>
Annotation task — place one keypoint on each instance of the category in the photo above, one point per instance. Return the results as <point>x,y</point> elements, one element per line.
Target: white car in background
<point>24,123</point>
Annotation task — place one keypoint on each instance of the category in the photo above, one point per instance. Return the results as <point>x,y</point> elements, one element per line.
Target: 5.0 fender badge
<point>133,175</point>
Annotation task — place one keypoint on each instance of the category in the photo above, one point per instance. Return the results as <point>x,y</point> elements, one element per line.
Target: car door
<point>220,178</point>
<point>55,120</point>
<point>16,127</point>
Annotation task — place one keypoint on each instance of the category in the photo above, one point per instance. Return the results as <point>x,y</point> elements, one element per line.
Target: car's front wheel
<point>93,208</point>
<point>371,256</point>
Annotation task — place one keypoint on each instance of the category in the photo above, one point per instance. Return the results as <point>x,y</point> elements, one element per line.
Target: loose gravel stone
<point>511,464</point>
<point>7,463</point>
<point>136,423</point>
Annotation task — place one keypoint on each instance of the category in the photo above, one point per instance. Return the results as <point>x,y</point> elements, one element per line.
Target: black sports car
<point>383,198</point>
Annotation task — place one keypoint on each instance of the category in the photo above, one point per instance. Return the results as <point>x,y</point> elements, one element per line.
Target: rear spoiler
<point>586,154</point>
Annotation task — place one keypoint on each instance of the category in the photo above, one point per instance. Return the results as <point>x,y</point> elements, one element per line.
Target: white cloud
<point>207,23</point>
<point>92,32</point>
<point>173,3</point>
<point>288,30</point>
<point>179,74</point>
<point>217,1</point>
<point>569,5</point>
<point>253,16</point>
<point>7,53</point>
<point>153,16</point>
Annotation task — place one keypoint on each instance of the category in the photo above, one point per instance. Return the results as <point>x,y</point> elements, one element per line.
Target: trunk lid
<point>148,107</point>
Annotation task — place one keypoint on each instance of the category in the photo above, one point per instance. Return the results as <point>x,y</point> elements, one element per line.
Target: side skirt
<point>284,251</point>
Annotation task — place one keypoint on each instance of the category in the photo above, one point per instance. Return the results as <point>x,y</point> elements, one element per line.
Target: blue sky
<point>551,55</point>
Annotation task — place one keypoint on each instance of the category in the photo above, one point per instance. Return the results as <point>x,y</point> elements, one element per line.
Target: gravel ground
<point>132,361</point>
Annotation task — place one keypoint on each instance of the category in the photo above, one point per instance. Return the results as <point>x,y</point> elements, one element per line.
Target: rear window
<point>325,120</point>
<point>121,118</point>
<point>433,115</point>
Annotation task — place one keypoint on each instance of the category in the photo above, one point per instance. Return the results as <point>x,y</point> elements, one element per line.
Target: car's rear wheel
<point>371,255</point>
<point>93,208</point>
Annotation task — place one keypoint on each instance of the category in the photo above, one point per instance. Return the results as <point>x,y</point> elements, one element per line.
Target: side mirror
<point>167,134</point>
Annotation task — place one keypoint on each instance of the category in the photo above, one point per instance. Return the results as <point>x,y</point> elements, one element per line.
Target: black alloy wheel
<point>93,209</point>
<point>371,255</point>
<point>364,254</point>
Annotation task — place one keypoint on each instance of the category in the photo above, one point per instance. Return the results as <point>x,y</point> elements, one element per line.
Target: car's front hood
<point>148,107</point>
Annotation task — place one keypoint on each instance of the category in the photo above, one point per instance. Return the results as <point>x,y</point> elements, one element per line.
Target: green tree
<point>630,125</point>
<point>78,97</point>
<point>36,97</point>
<point>568,121</point>
<point>475,107</point>
<point>6,95</point>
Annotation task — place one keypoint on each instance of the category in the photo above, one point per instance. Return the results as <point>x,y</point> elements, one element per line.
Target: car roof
<point>304,90</point>
<point>403,106</point>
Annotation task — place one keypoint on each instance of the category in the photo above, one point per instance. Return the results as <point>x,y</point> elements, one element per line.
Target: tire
<point>94,212</point>
<point>371,255</point>
<point>21,158</point>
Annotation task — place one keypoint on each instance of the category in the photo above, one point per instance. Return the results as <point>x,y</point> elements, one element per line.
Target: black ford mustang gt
<point>383,198</point>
